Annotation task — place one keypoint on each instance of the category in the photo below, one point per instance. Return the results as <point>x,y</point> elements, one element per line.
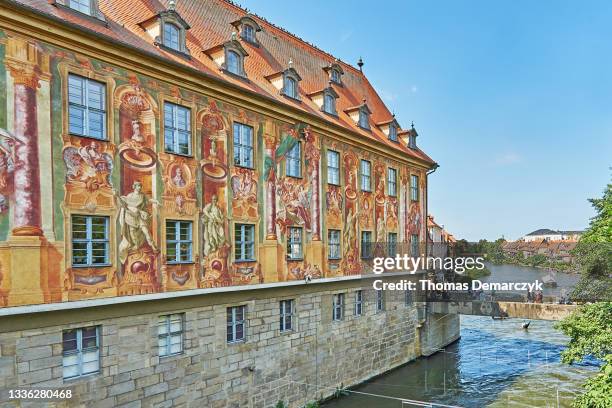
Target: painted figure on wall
<point>7,161</point>
<point>414,219</point>
<point>295,205</point>
<point>134,219</point>
<point>178,178</point>
<point>334,200</point>
<point>87,167</point>
<point>244,193</point>
<point>214,226</point>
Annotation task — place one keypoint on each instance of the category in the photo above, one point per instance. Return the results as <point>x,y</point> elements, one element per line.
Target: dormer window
<point>168,30</point>
<point>412,142</point>
<point>335,72</point>
<point>393,132</point>
<point>172,36</point>
<point>248,27</point>
<point>364,119</point>
<point>291,88</point>
<point>329,104</point>
<point>233,63</point>
<point>287,82</point>
<point>82,6</point>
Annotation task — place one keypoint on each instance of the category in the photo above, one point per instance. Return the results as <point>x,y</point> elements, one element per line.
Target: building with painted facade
<point>188,197</point>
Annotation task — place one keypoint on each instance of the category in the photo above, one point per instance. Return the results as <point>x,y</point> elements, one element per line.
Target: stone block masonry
<point>296,366</point>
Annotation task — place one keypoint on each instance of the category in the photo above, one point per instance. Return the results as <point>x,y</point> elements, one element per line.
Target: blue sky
<point>512,98</point>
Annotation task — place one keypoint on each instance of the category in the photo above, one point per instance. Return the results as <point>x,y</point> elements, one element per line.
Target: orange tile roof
<point>211,25</point>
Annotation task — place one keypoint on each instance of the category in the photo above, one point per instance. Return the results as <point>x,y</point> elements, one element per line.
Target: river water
<point>496,363</point>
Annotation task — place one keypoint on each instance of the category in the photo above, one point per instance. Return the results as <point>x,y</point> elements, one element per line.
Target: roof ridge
<point>295,36</point>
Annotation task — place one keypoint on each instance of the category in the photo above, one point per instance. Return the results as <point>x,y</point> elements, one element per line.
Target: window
<point>177,129</point>
<point>380,301</point>
<point>392,244</point>
<point>333,167</point>
<point>359,303</point>
<point>414,245</point>
<point>83,6</point>
<point>286,315</point>
<point>291,88</point>
<point>335,76</point>
<point>90,241</point>
<point>392,132</point>
<point>170,329</point>
<point>236,324</point>
<point>333,238</point>
<point>366,244</point>
<point>293,161</point>
<point>234,62</point>
<point>414,188</point>
<point>172,36</point>
<point>408,298</point>
<point>412,142</point>
<point>366,176</point>
<point>179,241</point>
<point>338,307</point>
<point>392,182</point>
<point>243,145</point>
<point>294,243</point>
<point>329,104</point>
<point>364,121</point>
<point>244,238</point>
<point>81,352</point>
<point>248,33</point>
<point>86,107</point>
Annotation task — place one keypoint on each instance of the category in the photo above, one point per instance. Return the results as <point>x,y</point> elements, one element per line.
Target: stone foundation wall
<point>296,367</point>
<point>438,331</point>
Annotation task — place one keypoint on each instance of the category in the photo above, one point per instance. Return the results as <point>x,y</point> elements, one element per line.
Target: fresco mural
<point>128,178</point>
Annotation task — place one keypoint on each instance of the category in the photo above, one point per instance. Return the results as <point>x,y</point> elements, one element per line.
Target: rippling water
<point>495,364</point>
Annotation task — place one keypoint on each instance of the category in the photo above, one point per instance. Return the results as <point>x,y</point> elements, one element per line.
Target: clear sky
<point>512,98</point>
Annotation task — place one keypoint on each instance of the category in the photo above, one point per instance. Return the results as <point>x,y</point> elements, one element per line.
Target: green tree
<point>590,331</point>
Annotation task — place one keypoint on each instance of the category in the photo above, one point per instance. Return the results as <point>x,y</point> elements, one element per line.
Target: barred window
<point>236,317</point>
<point>293,161</point>
<point>90,241</point>
<point>177,129</point>
<point>81,352</point>
<point>86,107</point>
<point>286,314</point>
<point>333,242</point>
<point>392,182</point>
<point>333,167</point>
<point>294,243</point>
<point>170,332</point>
<point>338,307</point>
<point>408,297</point>
<point>244,238</point>
<point>243,145</point>
<point>366,175</point>
<point>179,241</point>
<point>380,301</point>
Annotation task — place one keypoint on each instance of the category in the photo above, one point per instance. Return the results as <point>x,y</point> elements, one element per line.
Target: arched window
<point>329,104</point>
<point>364,121</point>
<point>291,87</point>
<point>233,62</point>
<point>248,33</point>
<point>392,132</point>
<point>172,36</point>
<point>335,76</point>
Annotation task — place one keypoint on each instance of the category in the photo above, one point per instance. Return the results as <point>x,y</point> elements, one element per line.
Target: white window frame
<point>392,182</point>
<point>293,161</point>
<point>177,241</point>
<point>414,187</point>
<point>338,307</point>
<point>335,76</point>
<point>248,33</point>
<point>165,331</point>
<point>329,103</point>
<point>366,176</point>
<point>169,42</point>
<point>290,87</point>
<point>242,244</point>
<point>295,239</point>
<point>333,169</point>
<point>239,64</point>
<point>85,106</point>
<point>80,352</point>
<point>286,313</point>
<point>243,145</point>
<point>171,130</point>
<point>358,303</point>
<point>333,243</point>
<point>89,241</point>
<point>82,6</point>
<point>232,325</point>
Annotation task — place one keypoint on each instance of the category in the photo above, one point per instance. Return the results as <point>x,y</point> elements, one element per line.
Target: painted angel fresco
<point>295,200</point>
<point>87,167</point>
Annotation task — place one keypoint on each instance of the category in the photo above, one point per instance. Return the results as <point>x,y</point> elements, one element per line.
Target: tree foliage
<point>590,331</point>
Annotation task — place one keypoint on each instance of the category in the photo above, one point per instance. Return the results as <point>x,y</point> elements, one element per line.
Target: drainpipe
<point>433,169</point>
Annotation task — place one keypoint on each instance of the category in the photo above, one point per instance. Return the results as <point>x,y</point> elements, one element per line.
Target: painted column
<point>270,142</point>
<point>26,65</point>
<point>316,210</point>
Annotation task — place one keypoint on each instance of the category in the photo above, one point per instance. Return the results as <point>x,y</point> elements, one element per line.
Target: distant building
<point>555,251</point>
<point>438,238</point>
<point>552,235</point>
